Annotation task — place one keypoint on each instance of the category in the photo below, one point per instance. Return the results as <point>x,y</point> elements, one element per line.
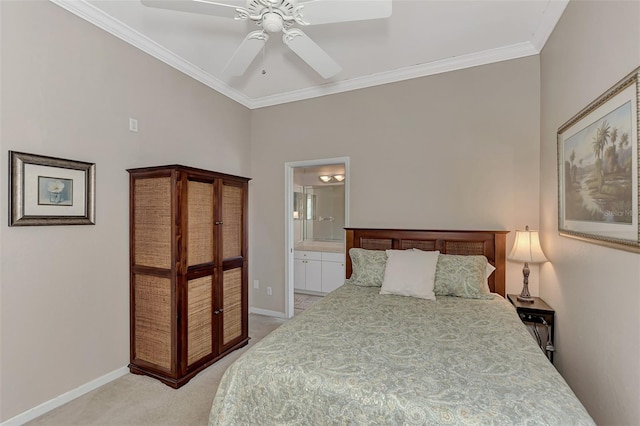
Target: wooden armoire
<point>188,276</point>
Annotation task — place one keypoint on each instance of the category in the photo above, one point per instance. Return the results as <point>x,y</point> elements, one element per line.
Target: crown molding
<point>550,18</point>
<point>506,53</point>
<point>92,14</point>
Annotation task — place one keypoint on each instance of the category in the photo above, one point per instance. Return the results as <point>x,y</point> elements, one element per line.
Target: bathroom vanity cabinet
<point>318,272</point>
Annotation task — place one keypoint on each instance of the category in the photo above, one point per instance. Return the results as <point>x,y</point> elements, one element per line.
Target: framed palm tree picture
<point>598,169</point>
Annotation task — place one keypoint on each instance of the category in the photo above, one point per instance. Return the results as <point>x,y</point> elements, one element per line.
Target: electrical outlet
<point>269,292</point>
<point>256,284</point>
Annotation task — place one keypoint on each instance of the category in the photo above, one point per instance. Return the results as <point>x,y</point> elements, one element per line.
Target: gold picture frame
<point>598,169</point>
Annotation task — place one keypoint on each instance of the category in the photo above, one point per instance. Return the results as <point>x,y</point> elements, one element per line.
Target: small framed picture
<point>50,191</point>
<point>598,169</point>
<point>54,191</point>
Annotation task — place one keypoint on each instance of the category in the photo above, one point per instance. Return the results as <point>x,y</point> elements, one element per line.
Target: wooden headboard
<point>491,244</point>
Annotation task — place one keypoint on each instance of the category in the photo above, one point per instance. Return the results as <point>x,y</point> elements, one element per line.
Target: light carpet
<point>134,400</point>
<point>304,301</point>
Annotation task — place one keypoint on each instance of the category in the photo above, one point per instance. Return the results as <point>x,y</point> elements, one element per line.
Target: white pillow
<point>410,273</point>
<point>487,274</point>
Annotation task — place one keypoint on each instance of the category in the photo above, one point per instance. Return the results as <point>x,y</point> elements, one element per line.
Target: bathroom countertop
<point>326,246</point>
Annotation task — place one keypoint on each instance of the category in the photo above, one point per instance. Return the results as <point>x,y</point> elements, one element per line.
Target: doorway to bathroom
<point>317,211</point>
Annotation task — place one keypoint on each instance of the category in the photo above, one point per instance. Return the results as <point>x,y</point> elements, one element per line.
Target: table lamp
<point>527,249</point>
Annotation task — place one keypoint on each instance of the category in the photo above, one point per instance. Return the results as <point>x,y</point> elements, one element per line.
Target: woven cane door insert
<point>418,244</point>
<point>232,199</point>
<point>232,304</point>
<point>464,247</point>
<point>376,243</point>
<point>152,222</point>
<point>153,320</point>
<point>200,232</point>
<point>199,322</point>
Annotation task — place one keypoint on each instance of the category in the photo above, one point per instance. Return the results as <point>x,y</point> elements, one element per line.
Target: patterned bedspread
<point>358,357</point>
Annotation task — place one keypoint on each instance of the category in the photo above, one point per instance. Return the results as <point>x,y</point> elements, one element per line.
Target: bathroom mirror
<point>324,213</point>
<point>304,206</point>
<point>319,204</point>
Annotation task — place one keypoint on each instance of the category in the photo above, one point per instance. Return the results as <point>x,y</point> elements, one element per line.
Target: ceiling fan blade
<point>197,6</point>
<point>246,53</point>
<point>317,12</point>
<point>311,53</point>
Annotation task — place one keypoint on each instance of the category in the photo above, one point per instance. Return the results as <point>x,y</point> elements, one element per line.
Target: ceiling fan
<point>273,16</point>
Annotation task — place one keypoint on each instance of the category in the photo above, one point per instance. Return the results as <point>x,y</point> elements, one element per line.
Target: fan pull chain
<point>264,48</point>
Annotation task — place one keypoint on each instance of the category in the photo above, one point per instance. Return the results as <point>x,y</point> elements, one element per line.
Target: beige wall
<point>456,150</point>
<point>68,90</point>
<point>595,290</point>
<point>448,151</point>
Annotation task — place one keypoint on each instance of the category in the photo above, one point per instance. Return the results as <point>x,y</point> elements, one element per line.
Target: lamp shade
<point>527,248</point>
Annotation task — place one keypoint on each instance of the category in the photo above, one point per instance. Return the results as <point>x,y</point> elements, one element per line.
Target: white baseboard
<point>60,400</point>
<point>267,312</point>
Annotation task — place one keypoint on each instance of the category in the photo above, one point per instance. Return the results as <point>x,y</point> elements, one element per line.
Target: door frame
<point>288,217</point>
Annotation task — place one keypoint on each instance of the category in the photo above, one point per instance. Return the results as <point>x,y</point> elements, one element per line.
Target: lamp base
<point>524,294</point>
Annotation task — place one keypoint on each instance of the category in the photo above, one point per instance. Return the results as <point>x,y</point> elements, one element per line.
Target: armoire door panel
<point>152,222</point>
<point>200,227</point>
<point>153,322</point>
<point>232,219</point>
<point>199,318</point>
<point>232,305</point>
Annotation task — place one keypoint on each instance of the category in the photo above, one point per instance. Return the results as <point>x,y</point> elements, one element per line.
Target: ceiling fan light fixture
<point>272,22</point>
<point>273,16</point>
<point>325,178</point>
<point>339,178</point>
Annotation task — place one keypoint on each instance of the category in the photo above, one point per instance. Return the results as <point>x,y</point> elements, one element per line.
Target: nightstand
<point>537,315</point>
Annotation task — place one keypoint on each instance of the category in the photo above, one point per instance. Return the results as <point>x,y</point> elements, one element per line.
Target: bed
<point>361,357</point>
